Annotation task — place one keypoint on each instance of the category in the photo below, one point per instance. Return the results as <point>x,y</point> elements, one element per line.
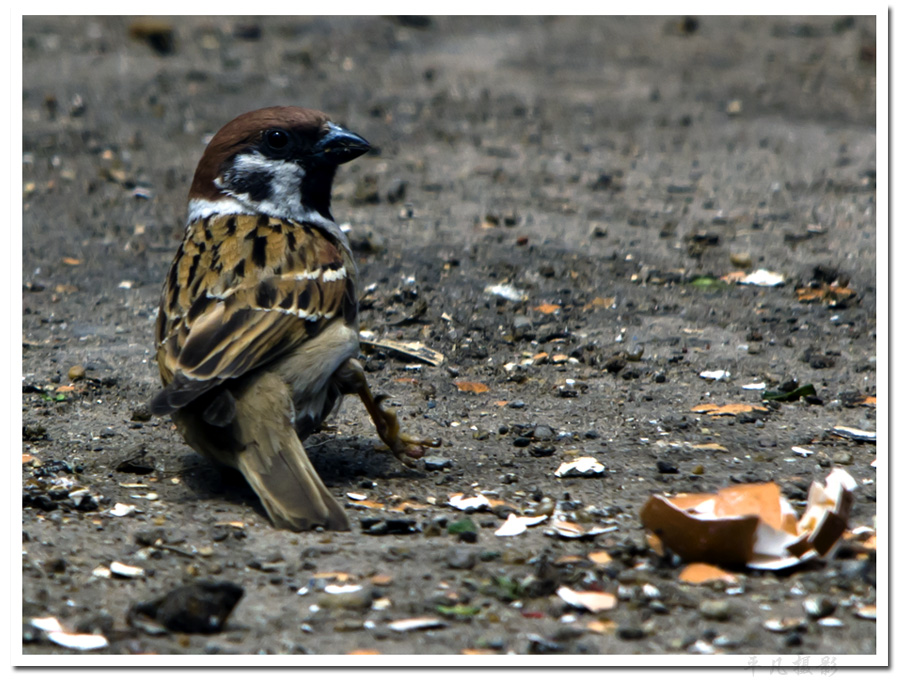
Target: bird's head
<point>278,161</point>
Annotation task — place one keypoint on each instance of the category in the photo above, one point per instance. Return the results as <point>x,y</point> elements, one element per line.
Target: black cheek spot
<point>231,226</point>
<point>256,184</point>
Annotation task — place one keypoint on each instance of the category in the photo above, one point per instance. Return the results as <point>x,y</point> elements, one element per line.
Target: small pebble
<point>842,458</point>
<point>715,610</point>
<point>539,645</point>
<point>437,463</point>
<point>543,433</point>
<point>542,451</point>
<point>360,598</point>
<point>742,260</point>
<point>461,558</point>
<point>141,414</point>
<point>629,632</point>
<point>819,606</point>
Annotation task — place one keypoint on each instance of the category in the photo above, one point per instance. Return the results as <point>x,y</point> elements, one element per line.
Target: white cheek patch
<point>201,208</point>
<point>285,178</point>
<point>284,200</point>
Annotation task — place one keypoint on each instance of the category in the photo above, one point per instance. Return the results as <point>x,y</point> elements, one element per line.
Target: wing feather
<point>243,291</point>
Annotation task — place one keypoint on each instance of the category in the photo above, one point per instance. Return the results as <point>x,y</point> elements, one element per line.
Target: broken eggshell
<point>590,600</point>
<point>515,525</point>
<point>587,466</point>
<point>751,524</point>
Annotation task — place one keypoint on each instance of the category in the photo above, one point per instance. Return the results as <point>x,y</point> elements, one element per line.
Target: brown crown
<point>245,131</point>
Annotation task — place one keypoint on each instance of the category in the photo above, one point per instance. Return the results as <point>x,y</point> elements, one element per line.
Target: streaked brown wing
<point>242,291</point>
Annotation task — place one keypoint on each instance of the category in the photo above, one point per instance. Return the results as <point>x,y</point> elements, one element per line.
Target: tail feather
<point>290,489</point>
<point>272,459</point>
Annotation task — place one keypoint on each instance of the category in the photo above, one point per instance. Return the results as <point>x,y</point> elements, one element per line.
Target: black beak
<point>339,145</point>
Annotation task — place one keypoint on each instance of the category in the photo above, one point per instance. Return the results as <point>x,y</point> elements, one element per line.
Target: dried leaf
<point>469,386</point>
<point>368,503</point>
<point>381,580</point>
<point>547,308</point>
<point>727,409</point>
<point>407,505</point>
<point>830,294</point>
<point>409,350</point>
<point>602,627</point>
<point>600,302</point>
<point>600,557</point>
<point>698,572</point>
<point>709,446</point>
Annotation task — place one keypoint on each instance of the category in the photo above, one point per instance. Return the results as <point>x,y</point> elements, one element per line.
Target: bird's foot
<point>404,447</point>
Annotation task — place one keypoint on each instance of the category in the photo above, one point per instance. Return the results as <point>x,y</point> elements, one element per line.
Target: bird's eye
<point>277,140</point>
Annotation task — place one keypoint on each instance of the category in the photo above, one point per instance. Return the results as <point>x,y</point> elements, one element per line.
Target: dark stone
<point>201,607</point>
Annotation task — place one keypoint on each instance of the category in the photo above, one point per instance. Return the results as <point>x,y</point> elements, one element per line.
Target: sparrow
<point>257,334</point>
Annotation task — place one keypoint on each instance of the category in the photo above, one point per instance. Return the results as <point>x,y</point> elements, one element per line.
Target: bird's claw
<point>404,447</point>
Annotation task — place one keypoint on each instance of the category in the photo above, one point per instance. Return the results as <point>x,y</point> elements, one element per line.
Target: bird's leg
<point>352,380</point>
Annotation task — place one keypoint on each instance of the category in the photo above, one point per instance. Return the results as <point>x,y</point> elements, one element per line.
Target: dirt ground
<point>609,170</point>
